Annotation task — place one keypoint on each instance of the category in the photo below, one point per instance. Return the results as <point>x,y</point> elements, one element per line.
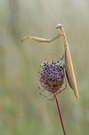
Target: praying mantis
<point>70,75</point>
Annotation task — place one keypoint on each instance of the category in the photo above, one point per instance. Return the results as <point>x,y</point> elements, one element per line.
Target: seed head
<point>51,76</point>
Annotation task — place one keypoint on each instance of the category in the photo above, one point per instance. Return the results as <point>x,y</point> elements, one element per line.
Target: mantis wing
<point>70,72</point>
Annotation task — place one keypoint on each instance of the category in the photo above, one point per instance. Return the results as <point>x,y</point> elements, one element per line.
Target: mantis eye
<point>58,26</point>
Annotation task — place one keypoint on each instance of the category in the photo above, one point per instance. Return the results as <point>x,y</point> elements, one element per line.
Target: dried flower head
<point>51,76</point>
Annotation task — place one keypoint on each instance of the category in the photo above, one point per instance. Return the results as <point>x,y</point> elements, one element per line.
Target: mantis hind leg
<point>63,88</point>
<point>42,94</point>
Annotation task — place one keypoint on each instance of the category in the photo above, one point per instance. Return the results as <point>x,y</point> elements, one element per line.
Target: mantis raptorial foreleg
<point>38,39</point>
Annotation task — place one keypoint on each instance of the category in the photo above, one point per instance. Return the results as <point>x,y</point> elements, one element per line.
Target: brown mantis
<point>67,56</point>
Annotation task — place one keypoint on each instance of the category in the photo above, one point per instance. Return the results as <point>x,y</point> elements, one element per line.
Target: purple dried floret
<point>51,76</point>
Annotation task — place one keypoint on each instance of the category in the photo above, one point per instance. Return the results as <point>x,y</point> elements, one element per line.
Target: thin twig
<point>59,112</point>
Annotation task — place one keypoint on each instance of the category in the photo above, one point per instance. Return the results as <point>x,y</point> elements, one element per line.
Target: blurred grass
<point>22,111</point>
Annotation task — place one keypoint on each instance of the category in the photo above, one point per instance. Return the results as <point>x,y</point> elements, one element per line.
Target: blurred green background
<point>22,110</point>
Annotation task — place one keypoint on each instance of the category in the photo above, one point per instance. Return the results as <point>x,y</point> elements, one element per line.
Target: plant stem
<point>59,112</point>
